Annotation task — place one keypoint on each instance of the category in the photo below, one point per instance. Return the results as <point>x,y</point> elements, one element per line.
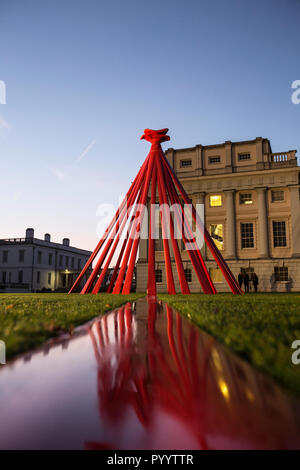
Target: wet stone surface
<point>142,377</point>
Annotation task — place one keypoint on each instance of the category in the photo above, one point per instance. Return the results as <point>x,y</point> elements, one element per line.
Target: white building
<point>32,265</point>
<point>251,200</point>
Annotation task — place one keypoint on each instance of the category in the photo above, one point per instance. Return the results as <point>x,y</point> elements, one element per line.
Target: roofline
<point>222,144</point>
<point>40,242</point>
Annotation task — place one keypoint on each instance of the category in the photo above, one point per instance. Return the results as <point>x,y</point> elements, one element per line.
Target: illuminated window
<point>185,163</point>
<point>246,198</point>
<point>158,275</point>
<point>215,200</point>
<point>216,275</point>
<point>188,275</point>
<point>277,196</point>
<point>216,232</point>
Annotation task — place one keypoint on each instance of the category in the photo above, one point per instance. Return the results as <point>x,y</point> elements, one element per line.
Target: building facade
<point>33,265</point>
<point>251,204</point>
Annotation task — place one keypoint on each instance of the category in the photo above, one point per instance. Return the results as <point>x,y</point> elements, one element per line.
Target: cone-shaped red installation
<point>157,179</point>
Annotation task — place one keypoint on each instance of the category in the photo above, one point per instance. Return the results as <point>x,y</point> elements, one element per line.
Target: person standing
<point>246,281</point>
<point>240,279</point>
<point>255,281</point>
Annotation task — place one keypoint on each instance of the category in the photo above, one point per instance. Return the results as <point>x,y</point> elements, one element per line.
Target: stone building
<point>252,210</point>
<point>33,265</point>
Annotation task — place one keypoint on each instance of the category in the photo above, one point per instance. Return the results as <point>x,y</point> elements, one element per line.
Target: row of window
<point>214,159</point>
<point>5,278</point>
<point>216,200</point>
<point>281,274</point>
<point>247,235</point>
<point>279,234</point>
<point>64,261</point>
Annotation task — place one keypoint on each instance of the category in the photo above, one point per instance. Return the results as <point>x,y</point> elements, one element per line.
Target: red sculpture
<point>157,173</point>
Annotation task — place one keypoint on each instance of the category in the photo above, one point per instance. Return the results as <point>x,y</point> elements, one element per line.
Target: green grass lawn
<point>28,320</point>
<point>259,327</point>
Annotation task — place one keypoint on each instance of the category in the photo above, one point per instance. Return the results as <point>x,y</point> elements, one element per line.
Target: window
<point>21,256</point>
<point>3,277</point>
<point>247,237</point>
<point>216,232</point>
<point>67,261</point>
<point>281,273</point>
<point>20,277</point>
<point>158,275</point>
<point>214,159</point>
<point>4,256</point>
<point>60,260</point>
<point>216,275</point>
<point>277,195</point>
<point>244,156</point>
<point>38,277</point>
<point>188,275</point>
<point>246,198</point>
<point>49,278</point>
<point>39,257</point>
<point>50,257</point>
<point>279,233</point>
<point>79,264</point>
<point>215,200</point>
<point>185,163</point>
<point>72,263</point>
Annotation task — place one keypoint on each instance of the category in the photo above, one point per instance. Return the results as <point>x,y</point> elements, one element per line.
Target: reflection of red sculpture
<point>170,385</point>
<point>157,173</point>
<point>164,384</point>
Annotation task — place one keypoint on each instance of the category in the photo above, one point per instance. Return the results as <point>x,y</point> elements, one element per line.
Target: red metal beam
<point>180,270</point>
<point>151,284</point>
<point>108,230</point>
<point>211,245</point>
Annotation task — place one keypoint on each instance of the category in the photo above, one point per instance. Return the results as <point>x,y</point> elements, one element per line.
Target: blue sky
<point>84,78</point>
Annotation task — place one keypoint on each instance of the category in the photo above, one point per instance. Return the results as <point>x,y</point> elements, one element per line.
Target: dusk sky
<point>84,78</point>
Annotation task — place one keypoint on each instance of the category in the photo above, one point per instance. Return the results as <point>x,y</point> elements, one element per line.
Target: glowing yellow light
<point>215,200</point>
<point>216,231</point>
<point>216,360</point>
<point>249,394</point>
<point>224,389</point>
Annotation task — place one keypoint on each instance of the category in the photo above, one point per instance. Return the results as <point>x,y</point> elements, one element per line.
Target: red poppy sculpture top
<point>155,136</point>
<point>156,178</point>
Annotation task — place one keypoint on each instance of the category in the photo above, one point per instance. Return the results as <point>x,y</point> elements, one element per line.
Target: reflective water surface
<point>142,377</point>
